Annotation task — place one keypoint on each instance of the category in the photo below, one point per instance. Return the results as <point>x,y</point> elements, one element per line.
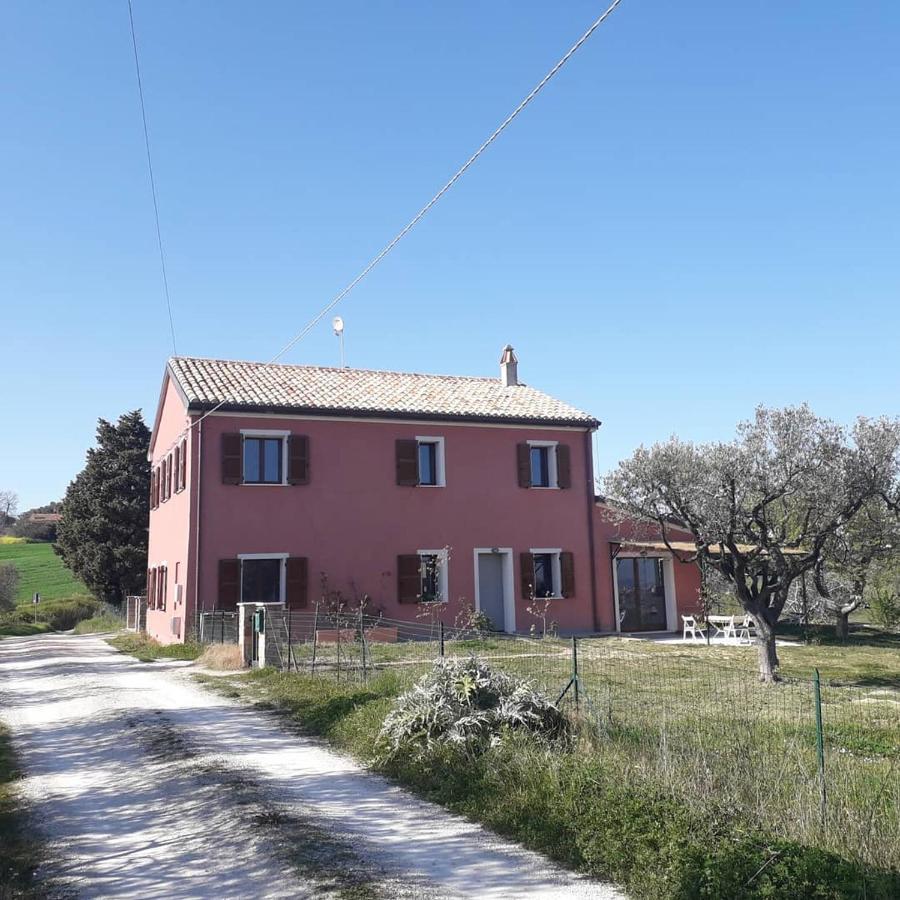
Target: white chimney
<point>509,367</point>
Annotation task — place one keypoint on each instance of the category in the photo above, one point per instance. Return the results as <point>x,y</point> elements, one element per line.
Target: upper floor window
<point>265,457</point>
<point>544,464</point>
<point>540,466</point>
<point>420,462</point>
<point>263,460</point>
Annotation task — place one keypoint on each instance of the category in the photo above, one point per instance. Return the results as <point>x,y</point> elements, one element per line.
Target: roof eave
<point>266,409</point>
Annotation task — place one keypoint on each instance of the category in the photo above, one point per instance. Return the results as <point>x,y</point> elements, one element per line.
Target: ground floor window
<point>432,576</point>
<point>642,593</point>
<point>261,580</point>
<point>546,575</point>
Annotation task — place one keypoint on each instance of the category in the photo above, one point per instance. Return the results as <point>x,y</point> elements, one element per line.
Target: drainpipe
<point>199,480</point>
<point>589,464</point>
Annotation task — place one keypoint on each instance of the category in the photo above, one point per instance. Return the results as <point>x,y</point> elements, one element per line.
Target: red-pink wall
<point>170,531</point>
<point>610,531</point>
<point>352,519</point>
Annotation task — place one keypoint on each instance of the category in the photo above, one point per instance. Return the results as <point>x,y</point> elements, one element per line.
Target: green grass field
<point>694,721</point>
<point>41,570</point>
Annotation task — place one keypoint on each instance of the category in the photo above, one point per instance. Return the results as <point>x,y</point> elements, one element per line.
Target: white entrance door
<point>490,589</point>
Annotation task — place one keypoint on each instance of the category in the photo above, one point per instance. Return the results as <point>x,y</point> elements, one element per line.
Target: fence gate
<point>136,613</point>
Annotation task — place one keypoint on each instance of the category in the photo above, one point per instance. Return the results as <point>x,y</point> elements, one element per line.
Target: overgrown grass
<point>605,807</point>
<point>54,615</point>
<point>146,649</point>
<point>23,629</point>
<point>42,571</point>
<point>100,624</point>
<point>20,851</point>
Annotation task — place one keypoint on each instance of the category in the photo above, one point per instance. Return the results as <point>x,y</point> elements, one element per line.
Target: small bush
<point>9,585</point>
<point>885,605</point>
<point>54,615</point>
<point>466,705</point>
<point>61,615</point>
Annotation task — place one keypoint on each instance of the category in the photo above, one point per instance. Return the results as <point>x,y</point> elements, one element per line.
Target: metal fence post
<point>290,652</point>
<point>575,684</point>
<point>362,644</point>
<point>442,640</point>
<point>820,741</point>
<point>312,666</point>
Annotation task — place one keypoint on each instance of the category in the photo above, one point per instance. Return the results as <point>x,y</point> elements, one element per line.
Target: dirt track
<point>149,786</point>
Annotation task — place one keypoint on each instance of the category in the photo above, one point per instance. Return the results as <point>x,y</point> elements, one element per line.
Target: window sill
<point>431,485</point>
<point>544,487</point>
<point>265,484</point>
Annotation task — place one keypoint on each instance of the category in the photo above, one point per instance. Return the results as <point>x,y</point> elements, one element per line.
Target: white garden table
<point>725,626</point>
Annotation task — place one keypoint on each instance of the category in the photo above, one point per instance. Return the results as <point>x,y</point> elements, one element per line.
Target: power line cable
<point>428,206</point>
<point>159,241</point>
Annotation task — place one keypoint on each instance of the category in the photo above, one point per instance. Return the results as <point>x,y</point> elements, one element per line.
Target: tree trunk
<point>842,625</point>
<point>768,655</point>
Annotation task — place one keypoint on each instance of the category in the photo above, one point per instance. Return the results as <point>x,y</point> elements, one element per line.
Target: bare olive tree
<point>849,560</point>
<point>762,508</point>
<point>9,504</point>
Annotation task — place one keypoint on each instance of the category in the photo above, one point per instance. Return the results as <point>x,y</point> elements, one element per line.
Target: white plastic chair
<point>744,630</point>
<point>693,629</point>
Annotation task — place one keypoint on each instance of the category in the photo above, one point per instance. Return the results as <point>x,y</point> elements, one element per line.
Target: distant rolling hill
<point>41,570</point>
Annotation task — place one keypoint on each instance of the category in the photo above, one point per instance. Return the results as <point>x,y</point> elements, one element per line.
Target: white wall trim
<point>267,433</point>
<point>243,556</point>
<point>668,586</point>
<point>552,468</point>
<point>557,570</point>
<point>439,459</point>
<point>509,593</point>
<point>264,432</point>
<point>282,586</point>
<point>443,572</point>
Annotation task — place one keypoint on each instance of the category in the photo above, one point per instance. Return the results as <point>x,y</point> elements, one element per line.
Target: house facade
<point>273,483</point>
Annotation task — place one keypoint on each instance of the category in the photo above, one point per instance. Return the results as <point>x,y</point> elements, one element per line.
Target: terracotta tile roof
<point>259,387</point>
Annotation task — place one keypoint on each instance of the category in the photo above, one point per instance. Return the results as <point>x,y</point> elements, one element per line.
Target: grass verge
<point>23,629</point>
<point>595,808</point>
<point>146,649</point>
<point>20,852</point>
<point>100,624</point>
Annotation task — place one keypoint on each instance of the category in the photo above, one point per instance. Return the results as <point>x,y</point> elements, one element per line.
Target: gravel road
<point>148,785</point>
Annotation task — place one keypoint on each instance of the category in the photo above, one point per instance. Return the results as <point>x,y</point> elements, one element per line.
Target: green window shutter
<point>231,458</point>
<point>407,462</point>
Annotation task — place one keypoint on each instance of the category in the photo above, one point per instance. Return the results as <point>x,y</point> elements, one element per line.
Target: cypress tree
<point>102,537</point>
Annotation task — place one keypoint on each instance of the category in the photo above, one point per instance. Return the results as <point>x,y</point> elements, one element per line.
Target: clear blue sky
<point>700,214</point>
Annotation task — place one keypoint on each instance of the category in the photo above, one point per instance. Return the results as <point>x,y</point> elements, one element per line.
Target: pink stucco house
<point>409,488</point>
